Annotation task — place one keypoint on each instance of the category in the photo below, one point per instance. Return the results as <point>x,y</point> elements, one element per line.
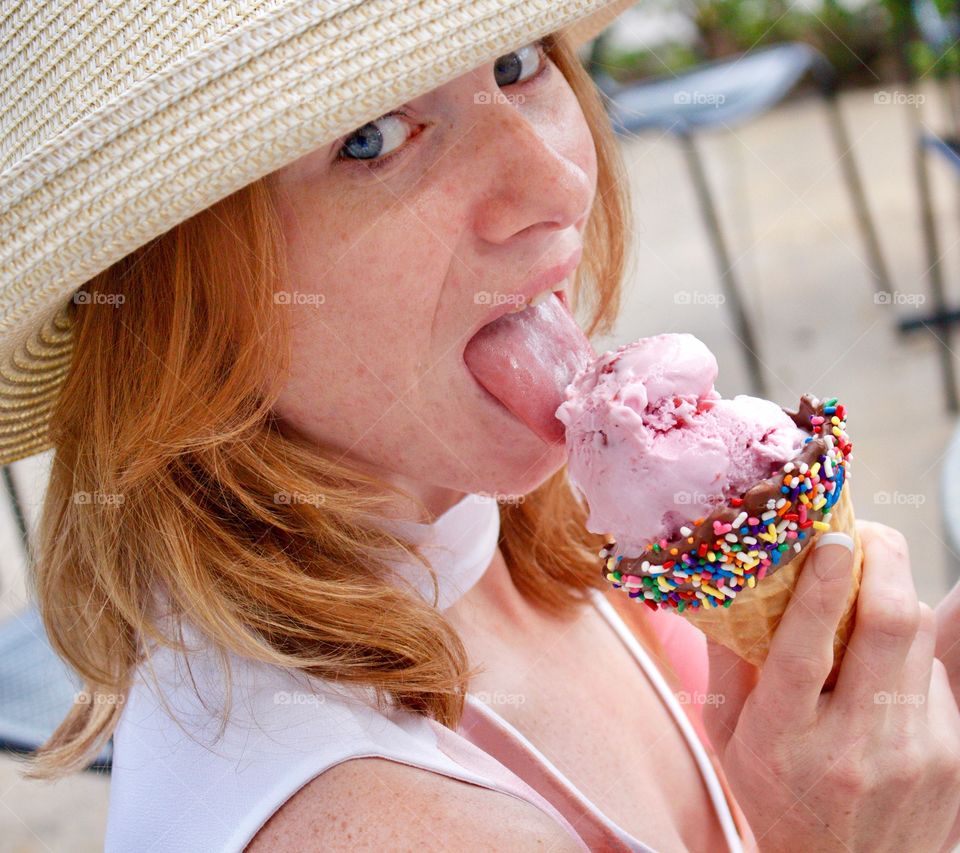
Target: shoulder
<point>375,803</point>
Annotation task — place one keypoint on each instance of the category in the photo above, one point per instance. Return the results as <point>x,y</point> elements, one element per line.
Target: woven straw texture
<point>747,626</point>
<point>119,120</point>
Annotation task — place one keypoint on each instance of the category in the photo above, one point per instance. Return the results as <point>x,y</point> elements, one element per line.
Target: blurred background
<point>795,176</point>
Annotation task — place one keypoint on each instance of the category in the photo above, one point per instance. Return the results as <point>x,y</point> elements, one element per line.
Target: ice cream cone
<point>733,571</point>
<point>747,627</point>
<point>709,505</point>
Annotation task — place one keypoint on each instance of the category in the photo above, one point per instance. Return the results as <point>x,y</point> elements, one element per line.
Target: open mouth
<point>560,293</point>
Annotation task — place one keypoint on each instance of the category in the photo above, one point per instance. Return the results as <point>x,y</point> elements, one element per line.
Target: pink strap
<point>488,733</point>
<point>473,758</point>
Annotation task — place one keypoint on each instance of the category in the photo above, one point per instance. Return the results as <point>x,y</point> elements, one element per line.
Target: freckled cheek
<point>340,375</point>
<point>382,331</point>
<point>379,284</point>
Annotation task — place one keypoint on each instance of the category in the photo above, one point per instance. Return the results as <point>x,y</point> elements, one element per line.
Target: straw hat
<point>119,120</point>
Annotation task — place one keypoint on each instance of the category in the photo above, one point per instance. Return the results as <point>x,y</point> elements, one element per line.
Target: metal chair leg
<point>868,232</point>
<point>931,244</point>
<point>728,281</point>
<point>18,514</point>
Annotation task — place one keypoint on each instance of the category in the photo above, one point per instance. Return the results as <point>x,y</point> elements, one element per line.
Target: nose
<point>526,184</point>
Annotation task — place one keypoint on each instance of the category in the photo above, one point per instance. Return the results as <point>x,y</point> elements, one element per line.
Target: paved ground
<point>802,266</point>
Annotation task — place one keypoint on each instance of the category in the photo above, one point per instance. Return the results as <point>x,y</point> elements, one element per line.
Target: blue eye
<point>374,143</point>
<point>376,138</point>
<point>519,65</point>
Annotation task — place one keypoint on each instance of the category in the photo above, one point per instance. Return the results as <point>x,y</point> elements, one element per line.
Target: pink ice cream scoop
<point>653,446</point>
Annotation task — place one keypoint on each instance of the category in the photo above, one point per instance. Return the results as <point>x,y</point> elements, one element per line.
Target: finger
<point>734,679</point>
<point>801,651</point>
<point>948,635</point>
<point>914,686</point>
<point>943,713</point>
<point>886,621</point>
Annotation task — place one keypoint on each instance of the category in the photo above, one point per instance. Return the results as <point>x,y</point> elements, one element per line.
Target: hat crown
<point>60,67</point>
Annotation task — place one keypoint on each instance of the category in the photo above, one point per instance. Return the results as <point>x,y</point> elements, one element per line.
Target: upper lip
<point>548,276</point>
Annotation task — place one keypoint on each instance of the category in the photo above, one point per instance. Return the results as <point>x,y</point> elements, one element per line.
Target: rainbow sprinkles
<point>749,537</point>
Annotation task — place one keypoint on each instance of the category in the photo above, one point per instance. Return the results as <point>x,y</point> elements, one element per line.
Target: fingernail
<point>835,538</point>
<point>832,562</point>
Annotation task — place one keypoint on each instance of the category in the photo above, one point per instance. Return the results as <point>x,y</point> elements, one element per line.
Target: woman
<point>267,411</point>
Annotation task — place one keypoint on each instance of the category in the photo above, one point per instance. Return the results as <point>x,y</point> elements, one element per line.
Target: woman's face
<point>402,238</point>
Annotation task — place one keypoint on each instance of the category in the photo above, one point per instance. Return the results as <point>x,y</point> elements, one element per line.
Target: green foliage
<point>668,59</point>
<point>925,61</point>
<point>865,42</point>
<point>922,58</point>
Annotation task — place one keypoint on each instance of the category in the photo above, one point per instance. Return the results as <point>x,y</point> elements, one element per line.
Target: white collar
<point>459,544</point>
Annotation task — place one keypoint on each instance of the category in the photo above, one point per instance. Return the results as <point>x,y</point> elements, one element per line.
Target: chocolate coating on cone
<point>715,557</point>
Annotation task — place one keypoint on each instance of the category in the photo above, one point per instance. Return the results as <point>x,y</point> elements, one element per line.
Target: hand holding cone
<point>748,627</point>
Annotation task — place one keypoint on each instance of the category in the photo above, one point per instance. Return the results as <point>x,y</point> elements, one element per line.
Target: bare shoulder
<point>376,804</point>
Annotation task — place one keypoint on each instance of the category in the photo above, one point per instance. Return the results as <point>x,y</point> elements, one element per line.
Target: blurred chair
<point>940,33</point>
<point>721,94</point>
<point>36,686</point>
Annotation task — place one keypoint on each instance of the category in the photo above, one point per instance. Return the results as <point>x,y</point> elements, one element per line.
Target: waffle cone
<point>747,626</point>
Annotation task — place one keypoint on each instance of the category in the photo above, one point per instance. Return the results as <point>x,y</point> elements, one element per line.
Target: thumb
<point>732,678</point>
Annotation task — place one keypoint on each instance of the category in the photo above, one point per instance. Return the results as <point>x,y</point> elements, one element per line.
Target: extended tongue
<point>527,359</point>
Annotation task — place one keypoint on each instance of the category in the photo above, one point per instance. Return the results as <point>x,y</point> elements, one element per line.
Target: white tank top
<point>176,786</point>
